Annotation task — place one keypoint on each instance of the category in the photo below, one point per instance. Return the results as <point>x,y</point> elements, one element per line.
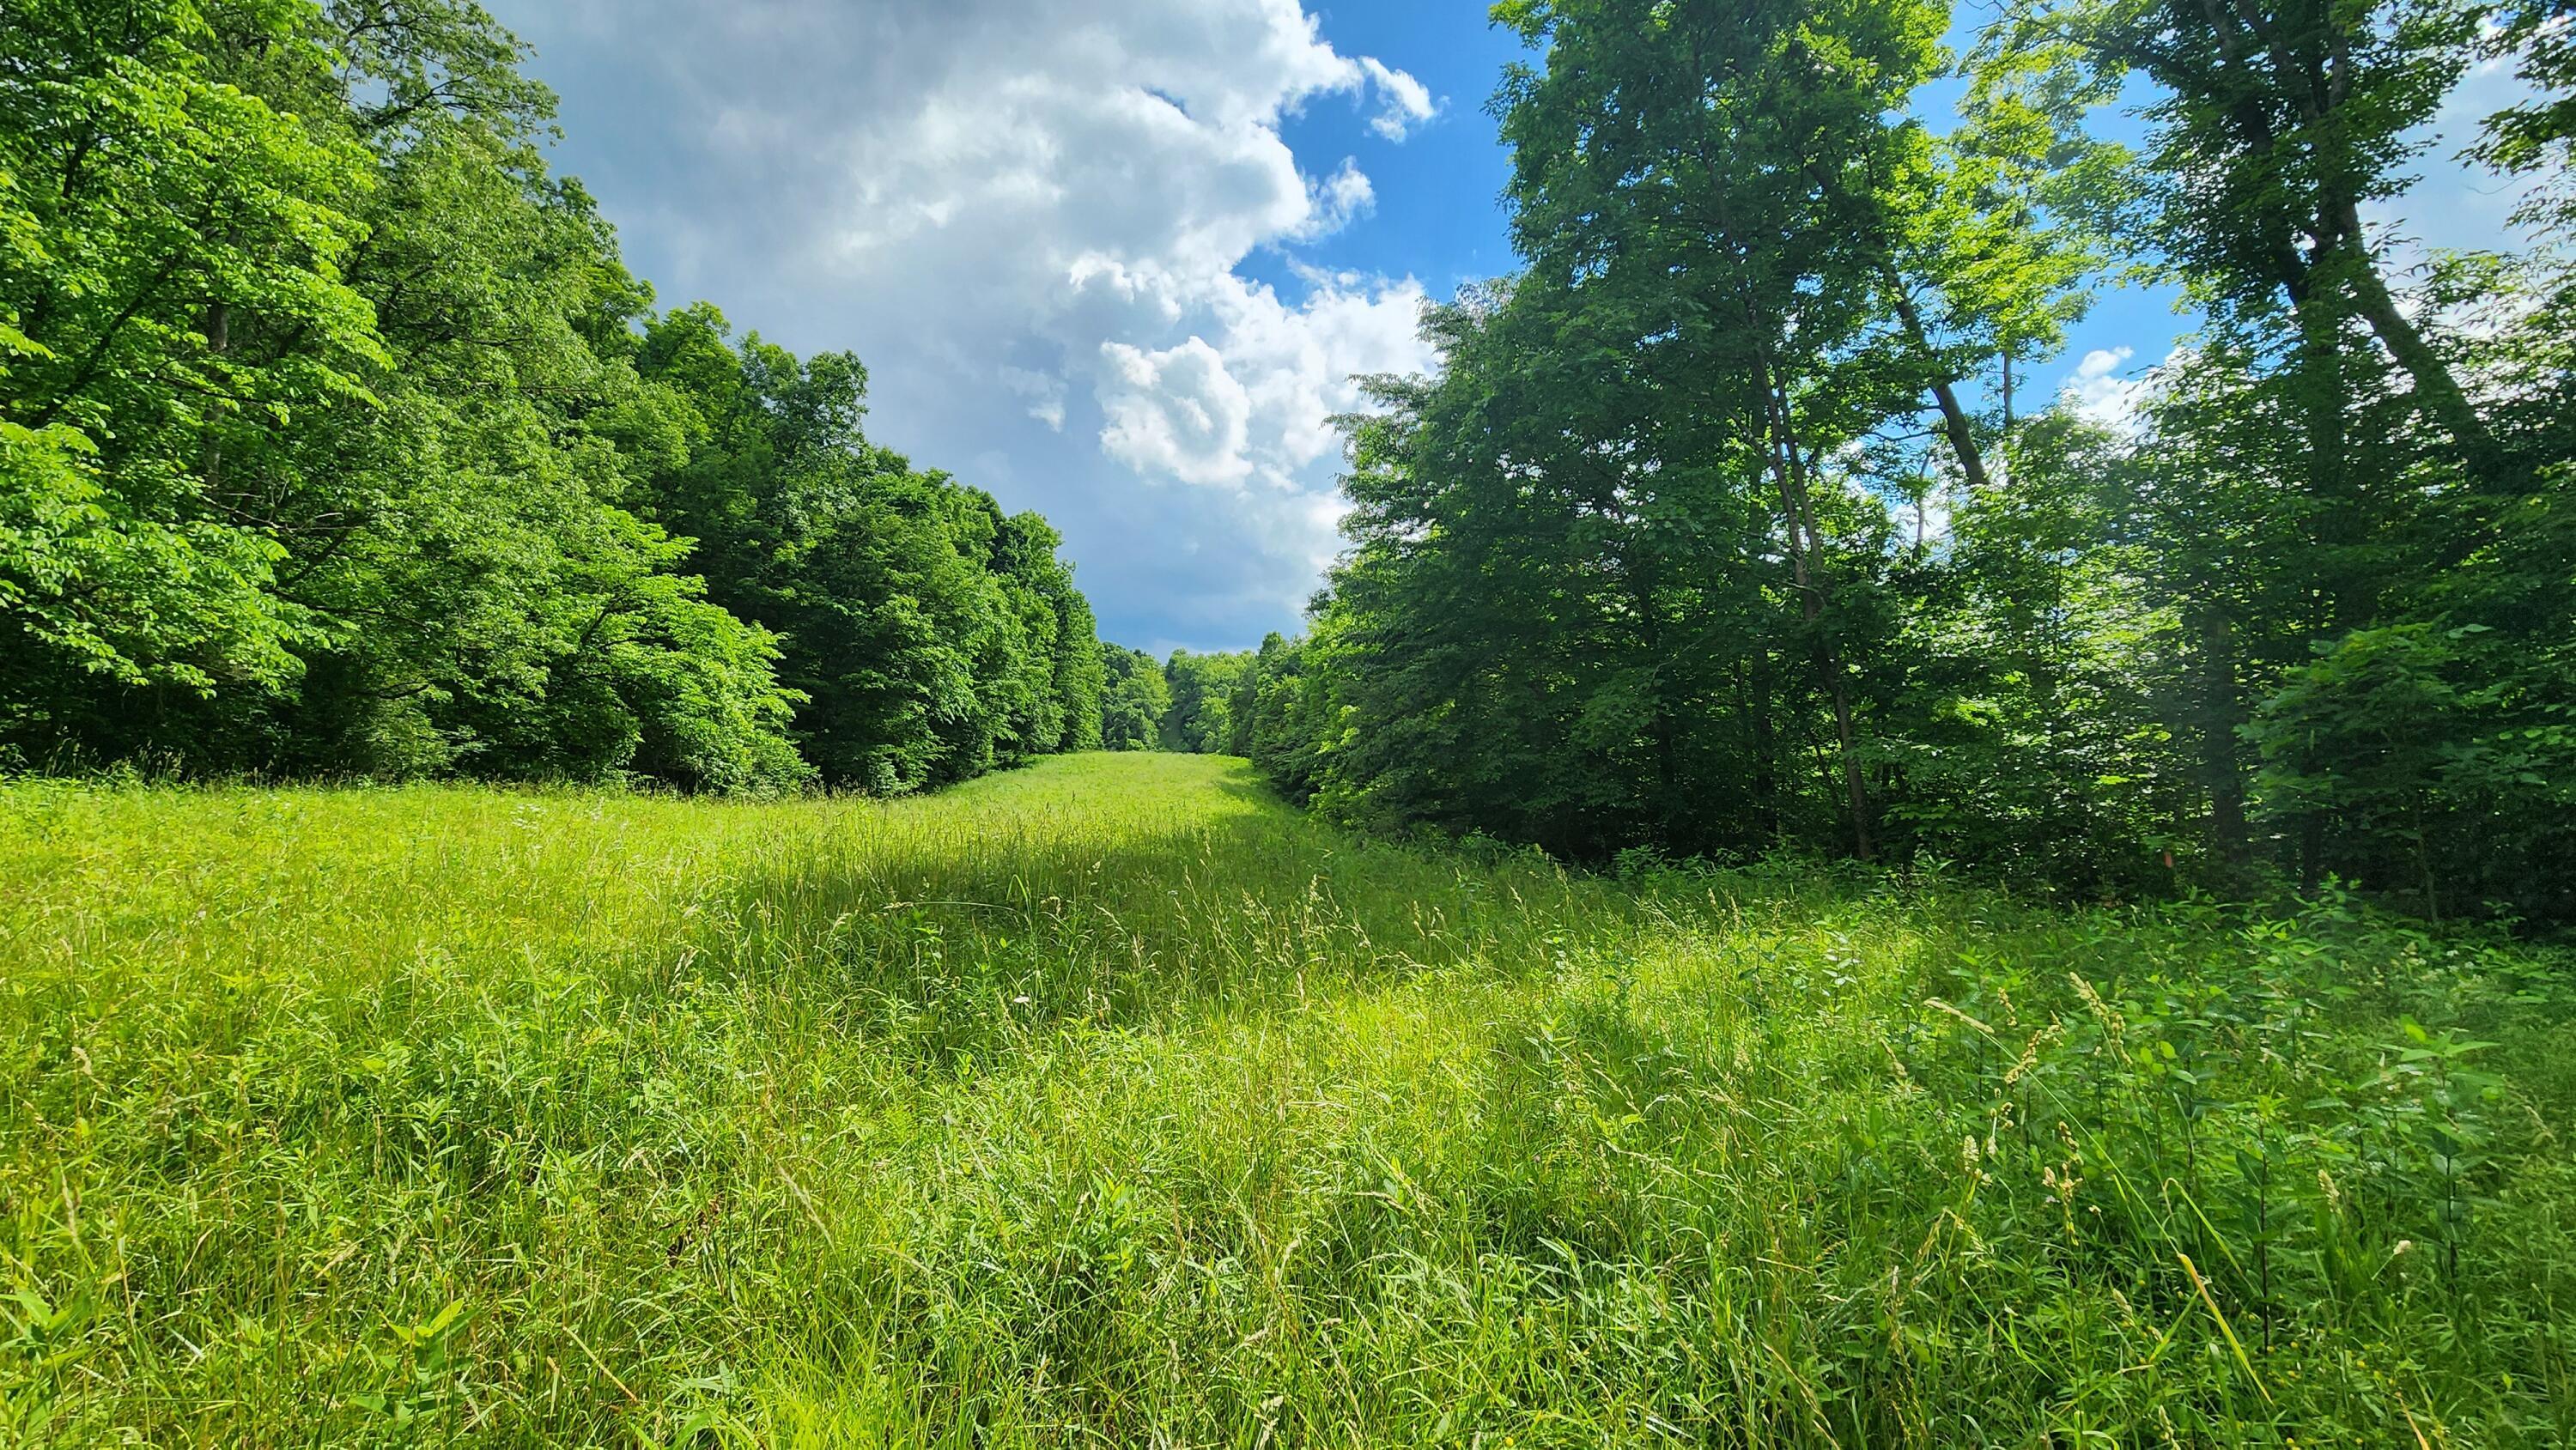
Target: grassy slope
<point>1109,1098</point>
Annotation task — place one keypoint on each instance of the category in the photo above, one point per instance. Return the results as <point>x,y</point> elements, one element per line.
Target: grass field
<point>1110,1103</point>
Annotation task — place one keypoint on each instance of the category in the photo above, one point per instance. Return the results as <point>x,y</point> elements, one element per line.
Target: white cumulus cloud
<point>2101,391</point>
<point>1033,222</point>
<point>1405,102</point>
<point>1177,411</point>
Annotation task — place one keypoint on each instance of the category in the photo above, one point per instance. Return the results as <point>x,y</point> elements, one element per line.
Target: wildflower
<point>2101,1010</point>
<point>2063,1184</point>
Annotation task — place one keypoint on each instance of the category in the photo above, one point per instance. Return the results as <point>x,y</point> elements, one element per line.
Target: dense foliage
<point>1134,700</point>
<point>334,438</point>
<point>1724,529</point>
<point>1201,717</point>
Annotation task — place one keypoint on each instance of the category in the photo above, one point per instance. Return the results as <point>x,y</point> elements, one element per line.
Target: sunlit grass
<point>1108,1102</point>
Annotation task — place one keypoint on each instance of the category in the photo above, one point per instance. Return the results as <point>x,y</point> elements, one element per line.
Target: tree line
<point>1199,704</point>
<point>1730,524</point>
<point>335,438</point>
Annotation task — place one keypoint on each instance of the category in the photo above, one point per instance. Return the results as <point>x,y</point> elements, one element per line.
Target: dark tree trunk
<point>2222,762</point>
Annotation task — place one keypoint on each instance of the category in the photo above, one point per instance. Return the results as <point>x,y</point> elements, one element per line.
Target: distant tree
<point>1203,688</point>
<point>1133,700</point>
<point>931,637</point>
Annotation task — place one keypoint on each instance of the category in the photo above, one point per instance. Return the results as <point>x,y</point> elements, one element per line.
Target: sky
<point>1118,261</point>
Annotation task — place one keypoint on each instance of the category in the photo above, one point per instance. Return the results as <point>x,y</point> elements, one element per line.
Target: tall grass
<point>1109,1103</point>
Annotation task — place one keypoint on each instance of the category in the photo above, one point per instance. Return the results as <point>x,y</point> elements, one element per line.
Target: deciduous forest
<point>339,442</point>
<point>1730,525</point>
<point>335,440</point>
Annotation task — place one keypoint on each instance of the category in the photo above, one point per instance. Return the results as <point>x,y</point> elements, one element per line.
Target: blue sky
<point>1439,209</point>
<point>1116,262</point>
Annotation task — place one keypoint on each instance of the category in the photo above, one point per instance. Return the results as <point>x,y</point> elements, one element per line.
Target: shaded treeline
<point>335,438</point>
<point>1729,524</point>
<point>1193,704</point>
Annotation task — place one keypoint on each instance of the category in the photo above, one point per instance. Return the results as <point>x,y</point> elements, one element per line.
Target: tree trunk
<point>2338,579</point>
<point>218,329</point>
<point>1754,696</point>
<point>1662,729</point>
<point>2437,391</point>
<point>1954,419</point>
<point>2424,864</point>
<point>1790,470</point>
<point>2220,762</point>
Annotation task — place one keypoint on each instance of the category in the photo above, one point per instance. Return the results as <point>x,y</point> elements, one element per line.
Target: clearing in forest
<point>1110,1102</point>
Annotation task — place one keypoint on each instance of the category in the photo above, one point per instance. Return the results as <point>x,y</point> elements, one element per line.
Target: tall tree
<point>334,437</point>
<point>2277,124</point>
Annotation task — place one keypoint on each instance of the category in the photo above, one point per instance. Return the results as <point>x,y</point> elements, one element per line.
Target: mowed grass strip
<point>1109,1102</point>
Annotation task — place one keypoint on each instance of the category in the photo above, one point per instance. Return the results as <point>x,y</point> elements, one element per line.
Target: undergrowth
<point>1110,1103</point>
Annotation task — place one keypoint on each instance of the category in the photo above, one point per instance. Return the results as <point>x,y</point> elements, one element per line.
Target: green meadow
<point>1108,1102</point>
